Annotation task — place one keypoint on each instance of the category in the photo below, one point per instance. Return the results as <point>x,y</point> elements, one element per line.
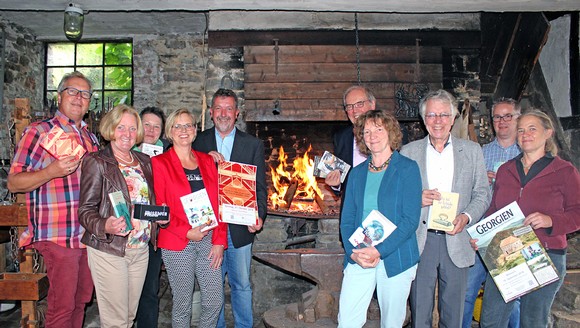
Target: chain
<point>357,47</point>
<point>14,247</point>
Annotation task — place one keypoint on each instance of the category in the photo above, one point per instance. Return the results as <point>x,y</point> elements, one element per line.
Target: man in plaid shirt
<point>52,188</point>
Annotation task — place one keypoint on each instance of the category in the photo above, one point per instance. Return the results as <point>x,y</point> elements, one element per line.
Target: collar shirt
<point>440,167</point>
<point>495,155</point>
<point>225,145</point>
<point>52,207</point>
<point>357,156</point>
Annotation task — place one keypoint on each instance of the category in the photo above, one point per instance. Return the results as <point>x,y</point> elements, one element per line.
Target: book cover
<point>198,210</point>
<point>328,163</point>
<point>151,150</point>
<point>237,193</point>
<point>59,144</point>
<point>443,212</point>
<point>120,207</point>
<point>374,229</point>
<point>512,253</point>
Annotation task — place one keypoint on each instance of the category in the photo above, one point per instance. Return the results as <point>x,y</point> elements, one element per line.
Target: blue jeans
<point>534,307</point>
<point>475,278</point>
<point>237,266</point>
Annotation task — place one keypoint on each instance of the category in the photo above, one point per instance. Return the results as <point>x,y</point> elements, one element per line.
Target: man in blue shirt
<point>225,142</point>
<point>504,114</point>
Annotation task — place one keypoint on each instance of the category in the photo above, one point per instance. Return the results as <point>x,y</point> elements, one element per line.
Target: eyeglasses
<point>187,126</point>
<point>442,116</point>
<point>505,118</point>
<point>358,104</point>
<point>74,92</point>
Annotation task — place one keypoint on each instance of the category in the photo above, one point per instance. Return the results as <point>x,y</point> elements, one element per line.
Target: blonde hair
<point>173,117</point>
<point>112,119</point>
<point>547,123</point>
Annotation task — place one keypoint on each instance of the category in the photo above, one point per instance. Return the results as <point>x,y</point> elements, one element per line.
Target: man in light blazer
<point>225,142</point>
<point>452,165</point>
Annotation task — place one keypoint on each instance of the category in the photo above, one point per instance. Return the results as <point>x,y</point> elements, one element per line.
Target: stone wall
<point>23,78</point>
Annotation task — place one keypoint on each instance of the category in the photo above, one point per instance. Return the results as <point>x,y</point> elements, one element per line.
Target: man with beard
<point>225,142</point>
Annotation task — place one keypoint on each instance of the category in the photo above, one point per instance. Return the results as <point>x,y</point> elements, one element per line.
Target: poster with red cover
<point>237,193</point>
<point>59,144</point>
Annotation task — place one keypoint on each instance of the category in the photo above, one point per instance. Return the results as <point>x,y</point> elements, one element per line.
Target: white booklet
<point>151,150</point>
<point>198,209</point>
<point>374,229</point>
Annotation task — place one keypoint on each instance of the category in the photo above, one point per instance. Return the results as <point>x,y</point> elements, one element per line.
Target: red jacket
<point>555,191</point>
<point>170,184</point>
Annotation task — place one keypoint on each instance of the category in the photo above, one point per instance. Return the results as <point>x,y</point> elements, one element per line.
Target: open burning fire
<point>297,190</point>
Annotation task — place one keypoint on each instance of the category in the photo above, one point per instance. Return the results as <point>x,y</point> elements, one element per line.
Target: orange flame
<point>281,179</point>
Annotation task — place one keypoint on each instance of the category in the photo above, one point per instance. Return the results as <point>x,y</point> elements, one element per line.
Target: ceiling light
<point>73,22</point>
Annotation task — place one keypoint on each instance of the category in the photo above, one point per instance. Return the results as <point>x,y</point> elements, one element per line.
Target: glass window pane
<point>96,101</point>
<point>54,75</point>
<point>94,74</point>
<point>118,78</point>
<point>61,54</point>
<point>90,54</point>
<point>118,53</point>
<point>113,98</point>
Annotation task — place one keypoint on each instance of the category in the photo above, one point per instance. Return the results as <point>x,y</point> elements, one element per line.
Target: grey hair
<point>74,74</point>
<point>440,95</point>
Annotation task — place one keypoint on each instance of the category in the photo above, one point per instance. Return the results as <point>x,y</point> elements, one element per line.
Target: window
<point>109,66</point>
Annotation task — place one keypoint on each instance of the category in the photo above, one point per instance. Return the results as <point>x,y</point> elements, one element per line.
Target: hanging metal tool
<point>276,50</point>
<point>357,48</point>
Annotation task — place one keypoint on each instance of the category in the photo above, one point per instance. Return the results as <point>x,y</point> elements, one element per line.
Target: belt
<point>437,232</point>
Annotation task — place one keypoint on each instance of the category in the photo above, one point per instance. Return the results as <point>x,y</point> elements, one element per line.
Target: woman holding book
<point>547,189</point>
<point>391,184</point>
<point>117,245</point>
<point>189,252</point>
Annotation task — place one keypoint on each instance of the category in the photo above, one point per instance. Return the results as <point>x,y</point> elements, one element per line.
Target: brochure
<point>59,144</point>
<point>512,253</point>
<point>120,207</point>
<point>328,163</point>
<point>443,212</point>
<point>237,193</point>
<point>198,210</point>
<point>374,229</point>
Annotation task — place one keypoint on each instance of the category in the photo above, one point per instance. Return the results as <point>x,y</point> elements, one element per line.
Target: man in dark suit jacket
<point>225,142</point>
<point>357,100</point>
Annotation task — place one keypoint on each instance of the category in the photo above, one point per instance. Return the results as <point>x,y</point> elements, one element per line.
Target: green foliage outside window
<point>109,66</point>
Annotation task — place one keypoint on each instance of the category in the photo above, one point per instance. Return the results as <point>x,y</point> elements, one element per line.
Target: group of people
<point>72,222</point>
<point>74,226</point>
<point>521,165</point>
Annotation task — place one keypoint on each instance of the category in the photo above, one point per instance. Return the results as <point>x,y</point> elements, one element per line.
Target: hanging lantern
<point>73,22</point>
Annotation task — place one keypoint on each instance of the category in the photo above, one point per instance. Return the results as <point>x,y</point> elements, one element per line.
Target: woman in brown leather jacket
<point>117,252</point>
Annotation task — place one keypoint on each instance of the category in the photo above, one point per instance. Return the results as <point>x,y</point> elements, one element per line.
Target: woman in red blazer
<point>189,253</point>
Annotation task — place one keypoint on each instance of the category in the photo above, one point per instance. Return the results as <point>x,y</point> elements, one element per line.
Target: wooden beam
<point>530,35</point>
<point>454,39</point>
<point>341,54</point>
<point>323,72</point>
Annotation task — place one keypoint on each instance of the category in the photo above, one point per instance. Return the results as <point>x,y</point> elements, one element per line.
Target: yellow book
<point>443,212</point>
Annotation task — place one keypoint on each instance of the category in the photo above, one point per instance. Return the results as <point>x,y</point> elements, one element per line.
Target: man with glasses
<point>52,187</point>
<point>504,114</point>
<point>225,142</point>
<point>452,165</point>
<point>357,100</point>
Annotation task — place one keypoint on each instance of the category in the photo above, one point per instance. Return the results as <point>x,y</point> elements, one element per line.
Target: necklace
<point>124,162</point>
<point>381,167</point>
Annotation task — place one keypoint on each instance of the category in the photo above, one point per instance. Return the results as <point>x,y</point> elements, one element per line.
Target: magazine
<point>59,144</point>
<point>198,210</point>
<point>151,150</point>
<point>374,229</point>
<point>120,207</point>
<point>328,163</point>
<point>237,193</point>
<point>512,253</point>
<point>443,212</point>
